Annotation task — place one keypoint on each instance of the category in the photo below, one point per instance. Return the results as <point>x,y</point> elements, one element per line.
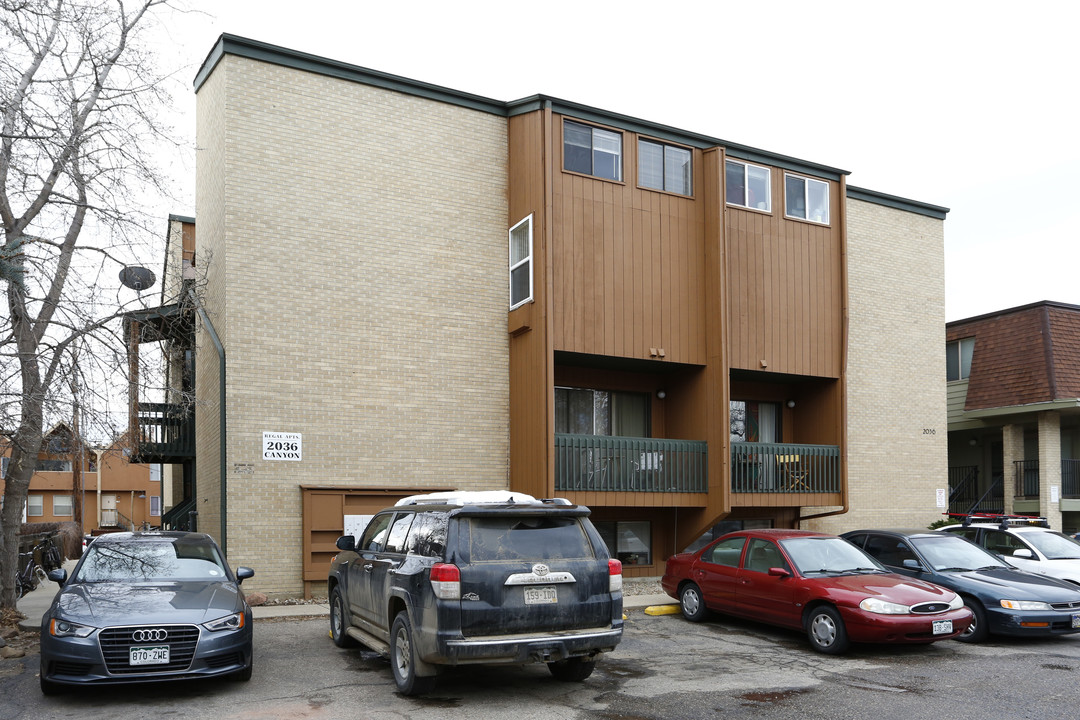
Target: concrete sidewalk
<point>34,604</point>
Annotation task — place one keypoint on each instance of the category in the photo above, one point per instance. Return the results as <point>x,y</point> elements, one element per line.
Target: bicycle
<point>26,576</point>
<point>46,555</point>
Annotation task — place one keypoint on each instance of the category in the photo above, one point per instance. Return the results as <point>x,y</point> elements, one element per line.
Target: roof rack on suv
<point>470,497</point>
<point>1006,521</point>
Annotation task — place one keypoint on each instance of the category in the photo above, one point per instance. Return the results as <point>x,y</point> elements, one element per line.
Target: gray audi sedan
<point>145,607</point>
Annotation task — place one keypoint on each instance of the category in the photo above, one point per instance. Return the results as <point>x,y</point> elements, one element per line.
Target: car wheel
<point>403,659</point>
<point>978,630</point>
<point>339,621</point>
<point>826,631</point>
<point>572,669</point>
<point>693,603</point>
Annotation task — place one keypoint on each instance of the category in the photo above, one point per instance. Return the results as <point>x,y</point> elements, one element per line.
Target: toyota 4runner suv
<point>462,578</point>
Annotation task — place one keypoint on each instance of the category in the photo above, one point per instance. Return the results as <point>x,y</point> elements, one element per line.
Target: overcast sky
<point>968,105</point>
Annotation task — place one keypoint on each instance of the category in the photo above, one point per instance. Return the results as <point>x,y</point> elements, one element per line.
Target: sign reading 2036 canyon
<point>283,446</point>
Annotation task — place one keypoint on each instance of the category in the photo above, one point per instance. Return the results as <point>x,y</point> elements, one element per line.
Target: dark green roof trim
<point>897,203</point>
<point>181,218</point>
<point>276,55</point>
<point>671,134</point>
<point>264,52</point>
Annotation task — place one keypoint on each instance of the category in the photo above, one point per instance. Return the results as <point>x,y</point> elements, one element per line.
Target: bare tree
<point>80,106</point>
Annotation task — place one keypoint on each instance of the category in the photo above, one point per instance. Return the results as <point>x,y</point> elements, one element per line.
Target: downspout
<point>221,416</point>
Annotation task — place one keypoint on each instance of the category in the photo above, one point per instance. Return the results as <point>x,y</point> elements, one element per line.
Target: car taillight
<point>446,581</point>
<point>614,571</point>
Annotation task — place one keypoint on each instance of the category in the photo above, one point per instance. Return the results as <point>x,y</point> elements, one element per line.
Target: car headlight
<point>64,628</point>
<point>229,622</point>
<point>1025,605</point>
<point>956,603</point>
<point>881,607</point>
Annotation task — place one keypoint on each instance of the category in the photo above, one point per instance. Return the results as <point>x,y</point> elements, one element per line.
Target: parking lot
<point>664,668</point>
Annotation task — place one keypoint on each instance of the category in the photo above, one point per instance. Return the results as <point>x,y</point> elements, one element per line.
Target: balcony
<point>166,434</point>
<point>1026,478</point>
<point>601,463</point>
<point>1070,479</point>
<point>785,468</point>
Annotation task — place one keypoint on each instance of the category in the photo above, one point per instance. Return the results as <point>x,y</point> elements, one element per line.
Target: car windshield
<point>949,553</point>
<point>828,555</point>
<point>1054,545</point>
<point>150,561</point>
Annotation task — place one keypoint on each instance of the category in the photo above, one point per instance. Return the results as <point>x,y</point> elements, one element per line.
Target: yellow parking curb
<point>663,610</point>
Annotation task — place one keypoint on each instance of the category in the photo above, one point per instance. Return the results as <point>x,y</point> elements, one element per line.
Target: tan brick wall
<point>356,236</point>
<point>896,400</point>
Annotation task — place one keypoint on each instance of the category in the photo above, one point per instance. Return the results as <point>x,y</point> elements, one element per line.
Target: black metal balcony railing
<point>965,494</point>
<point>784,468</point>
<point>1070,478</point>
<point>166,432</point>
<point>1027,478</point>
<point>627,464</point>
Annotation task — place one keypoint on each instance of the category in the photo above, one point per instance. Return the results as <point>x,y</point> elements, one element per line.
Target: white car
<point>1027,547</point>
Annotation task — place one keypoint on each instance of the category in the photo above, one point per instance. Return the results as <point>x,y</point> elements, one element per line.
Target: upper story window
<point>958,358</point>
<point>807,199</point>
<point>748,185</point>
<point>592,151</point>
<point>663,167</point>
<point>521,274</point>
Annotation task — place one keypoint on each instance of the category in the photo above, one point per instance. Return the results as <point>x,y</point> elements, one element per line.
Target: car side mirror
<point>1024,553</point>
<point>243,573</point>
<point>912,564</point>
<point>346,543</point>
<point>779,572</point>
<point>59,575</point>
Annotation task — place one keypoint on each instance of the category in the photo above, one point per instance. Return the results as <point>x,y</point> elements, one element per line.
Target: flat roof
<point>253,49</point>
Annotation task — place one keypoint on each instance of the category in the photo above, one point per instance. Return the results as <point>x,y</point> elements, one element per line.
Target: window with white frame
<point>958,359</point>
<point>748,185</point>
<point>35,505</point>
<point>61,505</point>
<point>663,167</point>
<point>3,466</point>
<point>521,270</point>
<point>155,505</point>
<point>806,198</point>
<point>592,151</point>
<point>155,473</point>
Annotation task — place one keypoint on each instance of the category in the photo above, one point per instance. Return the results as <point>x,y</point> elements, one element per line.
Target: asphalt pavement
<point>35,603</point>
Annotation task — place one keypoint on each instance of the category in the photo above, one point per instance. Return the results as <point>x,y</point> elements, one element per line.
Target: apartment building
<point>1014,412</point>
<point>112,492</point>
<point>403,287</point>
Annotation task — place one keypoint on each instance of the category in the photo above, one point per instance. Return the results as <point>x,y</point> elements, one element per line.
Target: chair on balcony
<point>792,476</point>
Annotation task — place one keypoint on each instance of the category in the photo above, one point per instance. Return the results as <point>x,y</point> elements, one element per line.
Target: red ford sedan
<point>814,582</point>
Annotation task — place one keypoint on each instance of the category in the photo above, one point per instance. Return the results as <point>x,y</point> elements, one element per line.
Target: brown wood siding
<point>532,423</point>
<point>713,381</point>
<point>324,511</point>
<point>627,264</point>
<point>785,289</point>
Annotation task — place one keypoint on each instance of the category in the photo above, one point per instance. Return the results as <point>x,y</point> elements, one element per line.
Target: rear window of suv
<point>500,539</point>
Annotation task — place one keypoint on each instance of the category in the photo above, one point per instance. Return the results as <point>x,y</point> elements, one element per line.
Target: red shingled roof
<point>1022,355</point>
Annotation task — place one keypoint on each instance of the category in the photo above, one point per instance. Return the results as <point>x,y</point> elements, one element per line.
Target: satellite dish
<point>137,278</point>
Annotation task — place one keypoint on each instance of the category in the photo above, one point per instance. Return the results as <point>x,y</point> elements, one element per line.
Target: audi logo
<point>154,635</point>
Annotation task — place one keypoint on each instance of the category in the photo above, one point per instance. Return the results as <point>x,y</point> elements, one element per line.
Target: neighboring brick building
<point>683,331</point>
<point>130,494</point>
<point>1014,412</point>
